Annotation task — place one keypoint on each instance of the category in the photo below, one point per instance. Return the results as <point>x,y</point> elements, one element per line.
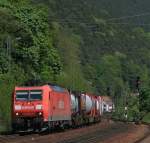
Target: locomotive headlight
<point>38,107</point>
<point>17,107</point>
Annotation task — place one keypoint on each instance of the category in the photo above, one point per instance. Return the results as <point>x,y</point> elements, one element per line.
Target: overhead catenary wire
<point>132,24</point>
<point>116,18</point>
<point>92,24</point>
<point>129,16</point>
<point>108,21</point>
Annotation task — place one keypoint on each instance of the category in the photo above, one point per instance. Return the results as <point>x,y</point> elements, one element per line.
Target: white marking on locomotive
<point>28,107</point>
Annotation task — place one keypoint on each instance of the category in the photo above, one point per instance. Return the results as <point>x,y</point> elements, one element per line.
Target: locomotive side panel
<point>60,106</point>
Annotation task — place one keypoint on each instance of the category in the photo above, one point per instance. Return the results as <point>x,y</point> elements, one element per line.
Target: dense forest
<point>75,44</point>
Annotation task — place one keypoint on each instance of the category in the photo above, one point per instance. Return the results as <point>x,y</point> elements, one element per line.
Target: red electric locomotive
<point>34,107</point>
<point>49,106</point>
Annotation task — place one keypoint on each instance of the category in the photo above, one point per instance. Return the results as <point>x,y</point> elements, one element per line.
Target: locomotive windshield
<point>35,95</point>
<point>29,95</point>
<point>22,95</point>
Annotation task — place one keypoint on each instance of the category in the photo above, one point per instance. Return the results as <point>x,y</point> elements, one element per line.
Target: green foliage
<point>72,77</point>
<point>109,74</point>
<point>108,54</point>
<point>73,44</point>
<point>30,40</point>
<point>27,53</point>
<point>133,112</point>
<point>40,53</point>
<point>7,83</point>
<point>145,100</point>
<point>146,118</point>
<point>133,109</point>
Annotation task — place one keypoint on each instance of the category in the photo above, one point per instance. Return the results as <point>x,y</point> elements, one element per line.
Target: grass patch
<point>2,128</point>
<point>146,118</point>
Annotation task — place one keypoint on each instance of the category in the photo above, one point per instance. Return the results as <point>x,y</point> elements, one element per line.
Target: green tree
<point>145,100</point>
<point>109,74</point>
<point>72,76</point>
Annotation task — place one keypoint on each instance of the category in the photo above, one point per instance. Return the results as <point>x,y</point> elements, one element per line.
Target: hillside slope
<point>101,42</point>
<point>72,43</point>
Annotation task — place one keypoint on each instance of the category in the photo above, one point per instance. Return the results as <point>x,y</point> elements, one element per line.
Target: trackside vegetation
<point>72,43</point>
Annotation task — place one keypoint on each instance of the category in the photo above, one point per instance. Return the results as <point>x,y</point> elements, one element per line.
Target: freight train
<point>51,106</point>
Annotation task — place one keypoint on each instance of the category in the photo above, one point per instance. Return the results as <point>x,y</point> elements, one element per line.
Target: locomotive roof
<point>55,88</point>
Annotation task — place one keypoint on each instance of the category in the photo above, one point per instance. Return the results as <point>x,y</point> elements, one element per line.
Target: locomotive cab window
<point>36,95</point>
<point>29,95</point>
<point>22,95</point>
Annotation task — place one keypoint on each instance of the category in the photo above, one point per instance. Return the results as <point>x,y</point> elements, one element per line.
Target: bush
<point>146,118</point>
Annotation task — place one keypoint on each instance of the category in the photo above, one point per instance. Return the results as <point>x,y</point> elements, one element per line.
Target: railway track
<point>95,133</point>
<point>145,138</point>
<point>99,135</point>
<point>7,138</point>
<point>16,137</point>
